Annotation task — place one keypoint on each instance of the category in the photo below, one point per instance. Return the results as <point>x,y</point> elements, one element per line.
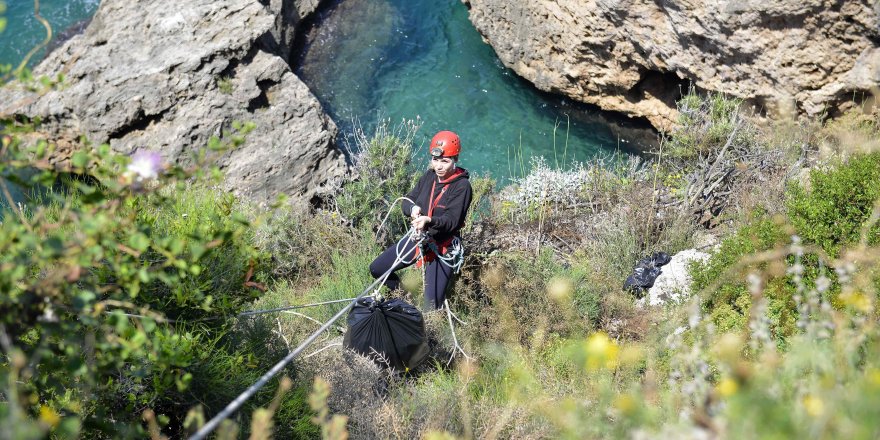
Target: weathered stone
<point>674,282</point>
<point>168,75</point>
<point>634,55</point>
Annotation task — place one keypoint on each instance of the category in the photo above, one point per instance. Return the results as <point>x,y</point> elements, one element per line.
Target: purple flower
<point>145,165</point>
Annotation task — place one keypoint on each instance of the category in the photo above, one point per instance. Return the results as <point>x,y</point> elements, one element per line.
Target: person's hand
<point>421,222</point>
<point>415,212</point>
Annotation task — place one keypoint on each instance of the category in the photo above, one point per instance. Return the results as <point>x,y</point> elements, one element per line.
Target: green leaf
<point>83,299</point>
<point>214,144</point>
<point>183,382</point>
<point>197,250</point>
<point>144,275</point>
<point>40,150</point>
<point>175,245</point>
<point>79,159</point>
<point>149,324</point>
<point>139,242</point>
<point>69,428</point>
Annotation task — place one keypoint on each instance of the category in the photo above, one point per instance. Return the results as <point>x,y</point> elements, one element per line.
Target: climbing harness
<point>450,254</point>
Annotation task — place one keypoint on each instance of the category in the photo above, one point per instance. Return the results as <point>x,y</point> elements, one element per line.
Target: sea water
<point>369,60</point>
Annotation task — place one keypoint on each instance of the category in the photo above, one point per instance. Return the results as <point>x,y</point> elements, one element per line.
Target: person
<point>437,205</point>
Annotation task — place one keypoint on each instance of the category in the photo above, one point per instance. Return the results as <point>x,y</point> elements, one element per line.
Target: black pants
<point>437,274</point>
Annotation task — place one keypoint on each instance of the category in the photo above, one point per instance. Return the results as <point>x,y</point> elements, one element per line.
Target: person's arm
<point>413,195</point>
<point>456,210</point>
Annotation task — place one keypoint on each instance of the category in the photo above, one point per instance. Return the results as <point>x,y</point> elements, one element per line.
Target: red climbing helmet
<point>445,144</point>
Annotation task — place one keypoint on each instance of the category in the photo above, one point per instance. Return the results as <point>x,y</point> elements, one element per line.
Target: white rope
<point>281,309</point>
<point>456,347</point>
<point>290,312</point>
<point>250,391</point>
<point>390,209</point>
<point>335,344</point>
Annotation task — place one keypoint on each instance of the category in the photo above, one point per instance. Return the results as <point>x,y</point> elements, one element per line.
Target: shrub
<point>95,272</point>
<point>301,246</point>
<point>833,208</point>
<point>584,187</point>
<point>383,170</point>
<point>705,124</point>
<point>855,132</point>
<point>830,212</point>
<point>728,300</point>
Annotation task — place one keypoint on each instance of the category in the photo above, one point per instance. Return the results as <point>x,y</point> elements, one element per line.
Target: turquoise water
<point>372,59</point>
<point>24,32</point>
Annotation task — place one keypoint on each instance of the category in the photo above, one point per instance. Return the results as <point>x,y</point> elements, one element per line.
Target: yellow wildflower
<point>857,300</point>
<point>626,404</point>
<point>814,406</point>
<point>727,387</point>
<point>601,352</point>
<point>49,416</point>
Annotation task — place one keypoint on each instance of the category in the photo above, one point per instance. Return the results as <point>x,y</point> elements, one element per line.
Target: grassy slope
<point>561,351</point>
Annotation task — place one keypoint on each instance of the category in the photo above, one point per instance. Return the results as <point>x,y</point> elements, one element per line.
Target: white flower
<point>145,165</point>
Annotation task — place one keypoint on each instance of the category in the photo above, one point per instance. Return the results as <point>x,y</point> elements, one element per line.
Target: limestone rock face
<point>634,55</point>
<point>167,75</point>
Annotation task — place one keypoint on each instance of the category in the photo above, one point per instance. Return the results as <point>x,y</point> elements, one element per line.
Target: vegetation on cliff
<point>123,281</point>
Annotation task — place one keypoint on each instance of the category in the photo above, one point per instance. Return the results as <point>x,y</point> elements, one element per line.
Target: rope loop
<point>454,256</point>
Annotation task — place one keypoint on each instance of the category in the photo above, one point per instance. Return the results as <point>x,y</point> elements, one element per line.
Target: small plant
<point>224,84</point>
<point>101,256</point>
<point>332,427</point>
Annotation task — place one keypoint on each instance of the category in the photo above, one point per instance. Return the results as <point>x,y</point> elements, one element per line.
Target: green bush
<point>831,211</point>
<point>727,298</point>
<point>383,171</point>
<point>102,268</point>
<point>705,123</point>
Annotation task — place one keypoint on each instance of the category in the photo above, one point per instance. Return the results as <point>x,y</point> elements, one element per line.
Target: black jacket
<point>450,211</point>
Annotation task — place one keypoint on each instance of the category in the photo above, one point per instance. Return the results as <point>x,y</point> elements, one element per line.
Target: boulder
<point>166,75</point>
<point>673,283</point>
<point>637,56</point>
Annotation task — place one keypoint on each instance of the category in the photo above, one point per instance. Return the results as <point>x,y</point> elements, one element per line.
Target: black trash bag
<point>646,272</point>
<point>395,329</point>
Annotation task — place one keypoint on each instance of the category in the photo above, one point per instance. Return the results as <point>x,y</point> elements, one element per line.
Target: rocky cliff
<point>167,75</point>
<point>634,56</point>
